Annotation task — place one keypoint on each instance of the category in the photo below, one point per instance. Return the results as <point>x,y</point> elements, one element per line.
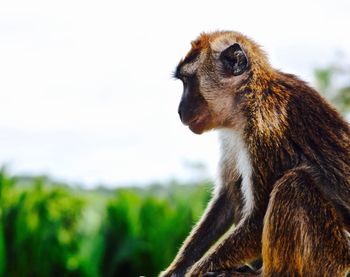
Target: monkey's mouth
<point>199,124</point>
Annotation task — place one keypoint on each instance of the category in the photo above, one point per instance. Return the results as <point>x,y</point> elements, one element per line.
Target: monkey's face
<point>212,73</point>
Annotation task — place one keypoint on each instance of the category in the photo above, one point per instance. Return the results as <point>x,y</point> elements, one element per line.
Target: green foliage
<point>334,83</point>
<point>40,230</point>
<point>48,229</point>
<point>145,232</point>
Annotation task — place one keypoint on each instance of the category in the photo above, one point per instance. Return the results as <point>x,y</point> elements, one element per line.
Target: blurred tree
<point>334,83</point>
<point>120,234</point>
<point>48,229</point>
<point>41,231</point>
<point>5,184</point>
<point>143,231</point>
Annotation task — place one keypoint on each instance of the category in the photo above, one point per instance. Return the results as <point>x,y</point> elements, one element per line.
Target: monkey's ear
<point>234,59</point>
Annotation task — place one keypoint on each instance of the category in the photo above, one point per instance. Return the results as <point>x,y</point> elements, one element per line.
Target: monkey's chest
<point>236,157</point>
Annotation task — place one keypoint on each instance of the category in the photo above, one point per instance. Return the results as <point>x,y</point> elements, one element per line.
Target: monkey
<point>283,195</point>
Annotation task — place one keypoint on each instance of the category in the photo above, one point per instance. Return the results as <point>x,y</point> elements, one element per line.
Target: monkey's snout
<point>179,112</point>
<point>185,115</point>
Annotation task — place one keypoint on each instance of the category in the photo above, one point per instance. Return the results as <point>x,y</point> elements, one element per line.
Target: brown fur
<point>299,150</point>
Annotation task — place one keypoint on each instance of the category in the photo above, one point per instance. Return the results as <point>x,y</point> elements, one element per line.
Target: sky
<point>86,93</point>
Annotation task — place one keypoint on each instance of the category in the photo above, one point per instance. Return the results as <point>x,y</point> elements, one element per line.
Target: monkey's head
<point>214,73</point>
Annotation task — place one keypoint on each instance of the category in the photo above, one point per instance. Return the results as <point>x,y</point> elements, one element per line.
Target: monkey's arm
<point>217,218</point>
<point>241,246</point>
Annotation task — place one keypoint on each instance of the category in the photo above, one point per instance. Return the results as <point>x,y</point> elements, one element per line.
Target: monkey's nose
<point>179,112</point>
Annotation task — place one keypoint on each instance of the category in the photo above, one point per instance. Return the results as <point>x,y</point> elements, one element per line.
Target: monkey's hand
<point>173,272</point>
<point>242,271</point>
<point>203,266</point>
<point>209,269</point>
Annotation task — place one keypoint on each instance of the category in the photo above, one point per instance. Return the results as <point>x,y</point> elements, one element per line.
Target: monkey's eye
<point>184,79</point>
<point>187,77</point>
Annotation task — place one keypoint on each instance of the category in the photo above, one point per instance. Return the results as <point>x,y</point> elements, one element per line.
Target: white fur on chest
<point>235,154</point>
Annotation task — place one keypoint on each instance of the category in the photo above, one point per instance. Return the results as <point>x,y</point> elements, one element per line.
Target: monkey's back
<point>316,135</point>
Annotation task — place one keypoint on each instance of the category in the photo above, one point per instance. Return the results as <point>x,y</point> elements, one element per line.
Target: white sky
<point>86,93</point>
